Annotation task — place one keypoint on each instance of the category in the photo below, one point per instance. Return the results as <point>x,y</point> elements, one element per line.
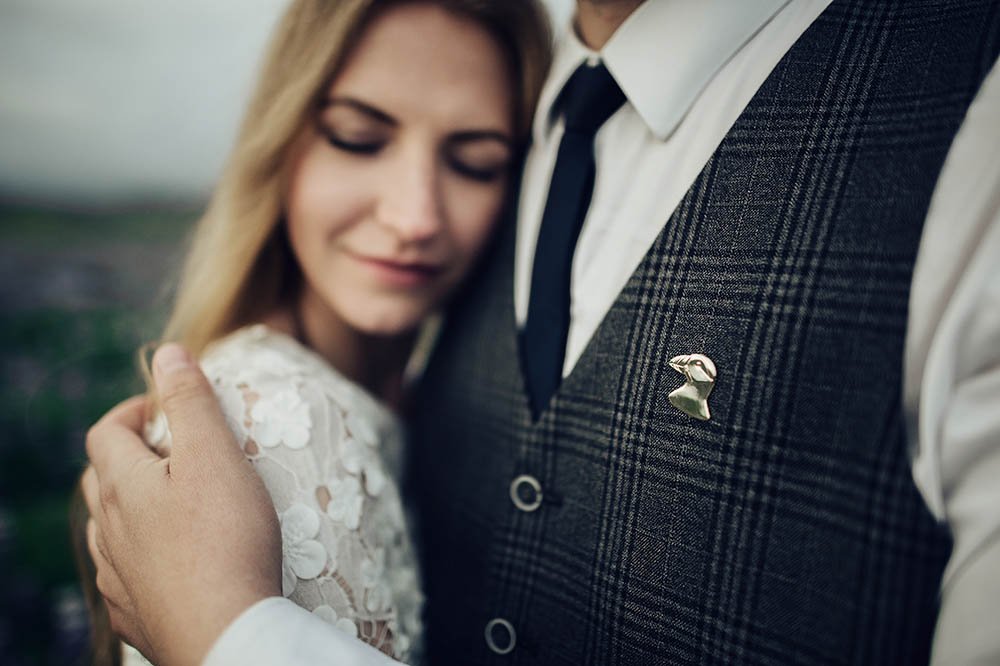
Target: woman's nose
<point>411,204</point>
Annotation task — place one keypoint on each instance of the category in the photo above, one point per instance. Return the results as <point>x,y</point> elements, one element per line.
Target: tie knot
<point>589,98</point>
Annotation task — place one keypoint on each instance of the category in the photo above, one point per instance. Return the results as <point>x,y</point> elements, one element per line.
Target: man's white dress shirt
<point>648,154</point>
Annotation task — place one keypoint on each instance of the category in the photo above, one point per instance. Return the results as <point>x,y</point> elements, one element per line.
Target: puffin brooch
<point>692,398</point>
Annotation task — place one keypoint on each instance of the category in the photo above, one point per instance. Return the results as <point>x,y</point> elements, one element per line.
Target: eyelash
<point>357,148</point>
<point>477,175</point>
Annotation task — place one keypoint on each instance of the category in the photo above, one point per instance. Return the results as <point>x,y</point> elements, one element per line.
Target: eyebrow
<point>358,105</point>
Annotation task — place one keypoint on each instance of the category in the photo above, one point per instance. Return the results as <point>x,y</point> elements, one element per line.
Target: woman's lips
<point>400,274</point>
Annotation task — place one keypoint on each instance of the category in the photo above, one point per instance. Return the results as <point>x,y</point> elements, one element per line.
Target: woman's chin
<point>389,325</point>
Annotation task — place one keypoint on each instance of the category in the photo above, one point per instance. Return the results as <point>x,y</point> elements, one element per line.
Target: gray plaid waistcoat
<point>786,529</point>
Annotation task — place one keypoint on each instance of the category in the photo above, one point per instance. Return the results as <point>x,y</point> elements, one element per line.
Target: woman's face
<point>397,188</point>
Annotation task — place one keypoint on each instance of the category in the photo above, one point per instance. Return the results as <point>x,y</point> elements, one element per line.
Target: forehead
<point>422,62</point>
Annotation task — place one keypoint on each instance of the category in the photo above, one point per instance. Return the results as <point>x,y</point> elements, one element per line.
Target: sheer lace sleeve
<point>328,454</point>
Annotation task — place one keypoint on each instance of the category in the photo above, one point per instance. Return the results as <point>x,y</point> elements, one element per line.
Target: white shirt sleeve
<point>276,631</point>
<point>952,381</point>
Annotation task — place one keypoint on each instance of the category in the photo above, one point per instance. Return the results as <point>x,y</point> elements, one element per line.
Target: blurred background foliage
<point>79,293</point>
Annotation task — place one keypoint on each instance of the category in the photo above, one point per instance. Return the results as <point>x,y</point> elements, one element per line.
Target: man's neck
<point>597,20</point>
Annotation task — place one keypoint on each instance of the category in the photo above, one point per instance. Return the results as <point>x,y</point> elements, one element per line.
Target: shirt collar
<point>662,56</point>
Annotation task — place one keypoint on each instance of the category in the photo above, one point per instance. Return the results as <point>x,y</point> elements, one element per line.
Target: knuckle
<point>88,487</point>
<point>118,619</point>
<point>103,584</point>
<point>117,622</point>
<point>92,439</point>
<point>92,539</point>
<point>108,495</point>
<point>185,386</point>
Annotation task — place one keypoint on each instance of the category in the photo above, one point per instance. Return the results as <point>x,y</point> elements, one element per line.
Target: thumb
<point>197,426</point>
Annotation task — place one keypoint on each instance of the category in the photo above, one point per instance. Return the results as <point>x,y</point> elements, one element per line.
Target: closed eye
<point>356,147</point>
<point>482,175</point>
<point>353,126</point>
<point>480,155</point>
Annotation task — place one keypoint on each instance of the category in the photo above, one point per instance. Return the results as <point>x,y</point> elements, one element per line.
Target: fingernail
<point>170,358</point>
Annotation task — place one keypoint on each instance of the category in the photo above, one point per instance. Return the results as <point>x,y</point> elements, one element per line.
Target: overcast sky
<point>104,100</point>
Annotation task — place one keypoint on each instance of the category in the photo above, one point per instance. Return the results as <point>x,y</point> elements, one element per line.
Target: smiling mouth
<point>403,274</point>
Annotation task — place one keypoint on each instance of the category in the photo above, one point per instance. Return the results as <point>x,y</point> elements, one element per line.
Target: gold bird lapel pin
<point>699,372</point>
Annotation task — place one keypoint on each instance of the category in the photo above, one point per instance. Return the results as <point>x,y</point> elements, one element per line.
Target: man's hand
<point>182,544</point>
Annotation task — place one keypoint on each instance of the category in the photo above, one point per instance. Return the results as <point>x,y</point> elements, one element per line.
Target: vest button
<point>526,492</point>
<point>500,635</point>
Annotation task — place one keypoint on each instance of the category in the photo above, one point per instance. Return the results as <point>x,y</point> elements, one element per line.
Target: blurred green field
<point>79,293</point>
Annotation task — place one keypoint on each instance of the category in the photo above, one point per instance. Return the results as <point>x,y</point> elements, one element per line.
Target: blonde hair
<point>240,268</point>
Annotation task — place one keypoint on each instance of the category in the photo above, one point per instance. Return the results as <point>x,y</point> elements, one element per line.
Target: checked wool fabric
<point>787,529</point>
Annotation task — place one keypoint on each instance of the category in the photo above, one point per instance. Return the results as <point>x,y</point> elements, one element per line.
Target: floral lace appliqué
<point>302,556</point>
<point>345,502</point>
<point>344,624</point>
<point>327,453</point>
<point>282,418</point>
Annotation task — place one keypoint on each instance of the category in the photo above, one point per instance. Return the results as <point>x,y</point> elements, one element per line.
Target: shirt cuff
<point>276,631</point>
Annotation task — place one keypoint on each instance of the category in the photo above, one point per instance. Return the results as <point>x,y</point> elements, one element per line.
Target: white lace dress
<point>330,456</point>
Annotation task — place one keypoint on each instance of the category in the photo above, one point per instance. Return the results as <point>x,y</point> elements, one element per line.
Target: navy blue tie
<point>586,101</point>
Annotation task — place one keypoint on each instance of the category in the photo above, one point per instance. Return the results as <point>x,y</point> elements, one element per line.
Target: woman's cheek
<point>479,211</point>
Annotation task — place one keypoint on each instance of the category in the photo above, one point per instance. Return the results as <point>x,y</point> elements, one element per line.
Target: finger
<point>130,414</point>
<point>115,442</point>
<point>91,489</point>
<point>107,581</point>
<point>110,588</point>
<point>198,428</point>
<point>98,553</point>
<point>122,627</point>
<point>108,584</point>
